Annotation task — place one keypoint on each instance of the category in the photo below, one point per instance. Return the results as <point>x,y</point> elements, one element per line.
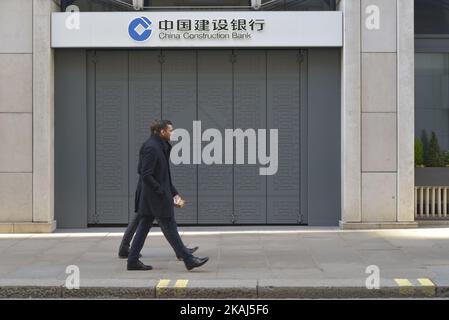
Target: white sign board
<point>196,29</point>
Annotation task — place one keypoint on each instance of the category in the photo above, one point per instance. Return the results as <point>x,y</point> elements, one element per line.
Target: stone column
<point>382,119</point>
<point>406,110</point>
<point>350,113</point>
<point>43,113</point>
<point>26,116</point>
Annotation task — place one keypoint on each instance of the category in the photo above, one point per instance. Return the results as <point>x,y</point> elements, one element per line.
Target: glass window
<point>432,97</point>
<point>125,5</point>
<point>431,16</point>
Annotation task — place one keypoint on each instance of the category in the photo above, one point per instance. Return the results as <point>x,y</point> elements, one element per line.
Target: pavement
<point>245,262</point>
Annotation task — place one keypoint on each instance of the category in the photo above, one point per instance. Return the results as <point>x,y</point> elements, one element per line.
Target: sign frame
<point>280,29</point>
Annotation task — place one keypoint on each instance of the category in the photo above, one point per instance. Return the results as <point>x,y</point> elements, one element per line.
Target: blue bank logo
<point>140,29</point>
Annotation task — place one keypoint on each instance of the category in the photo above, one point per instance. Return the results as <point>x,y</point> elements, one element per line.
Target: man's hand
<point>179,202</point>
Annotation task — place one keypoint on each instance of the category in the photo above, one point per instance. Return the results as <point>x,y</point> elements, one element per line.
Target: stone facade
<point>377,115</point>
<point>26,116</point>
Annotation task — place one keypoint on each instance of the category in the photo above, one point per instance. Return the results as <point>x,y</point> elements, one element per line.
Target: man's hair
<point>158,125</point>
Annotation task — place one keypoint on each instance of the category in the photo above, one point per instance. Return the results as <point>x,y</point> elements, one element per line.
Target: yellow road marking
<point>403,282</point>
<point>425,282</point>
<point>163,283</point>
<point>180,288</point>
<point>405,286</point>
<point>428,286</point>
<point>162,287</point>
<point>181,283</point>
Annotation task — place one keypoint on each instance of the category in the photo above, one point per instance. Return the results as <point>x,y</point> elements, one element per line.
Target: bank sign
<point>196,29</point>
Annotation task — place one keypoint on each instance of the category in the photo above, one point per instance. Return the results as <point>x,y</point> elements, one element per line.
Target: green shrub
<point>434,153</point>
<point>419,153</point>
<point>445,158</point>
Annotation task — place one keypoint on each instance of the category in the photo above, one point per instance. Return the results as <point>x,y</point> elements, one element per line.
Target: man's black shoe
<point>195,262</point>
<point>191,250</point>
<point>138,266</point>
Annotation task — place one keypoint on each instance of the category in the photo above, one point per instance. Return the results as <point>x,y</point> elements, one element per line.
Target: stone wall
<point>377,113</point>
<point>26,116</point>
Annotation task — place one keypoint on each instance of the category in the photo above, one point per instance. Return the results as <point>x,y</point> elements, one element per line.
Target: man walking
<point>125,244</point>
<point>156,197</point>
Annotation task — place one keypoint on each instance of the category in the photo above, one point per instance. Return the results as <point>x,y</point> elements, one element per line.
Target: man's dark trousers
<point>170,231</point>
<point>129,232</point>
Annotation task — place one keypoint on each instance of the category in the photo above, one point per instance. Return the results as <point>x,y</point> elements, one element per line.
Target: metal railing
<point>432,202</point>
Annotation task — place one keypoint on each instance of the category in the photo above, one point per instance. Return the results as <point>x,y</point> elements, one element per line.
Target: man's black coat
<point>155,191</point>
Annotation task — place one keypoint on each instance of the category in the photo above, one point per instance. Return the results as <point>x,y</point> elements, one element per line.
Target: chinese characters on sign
<point>210,28</point>
<point>215,25</point>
